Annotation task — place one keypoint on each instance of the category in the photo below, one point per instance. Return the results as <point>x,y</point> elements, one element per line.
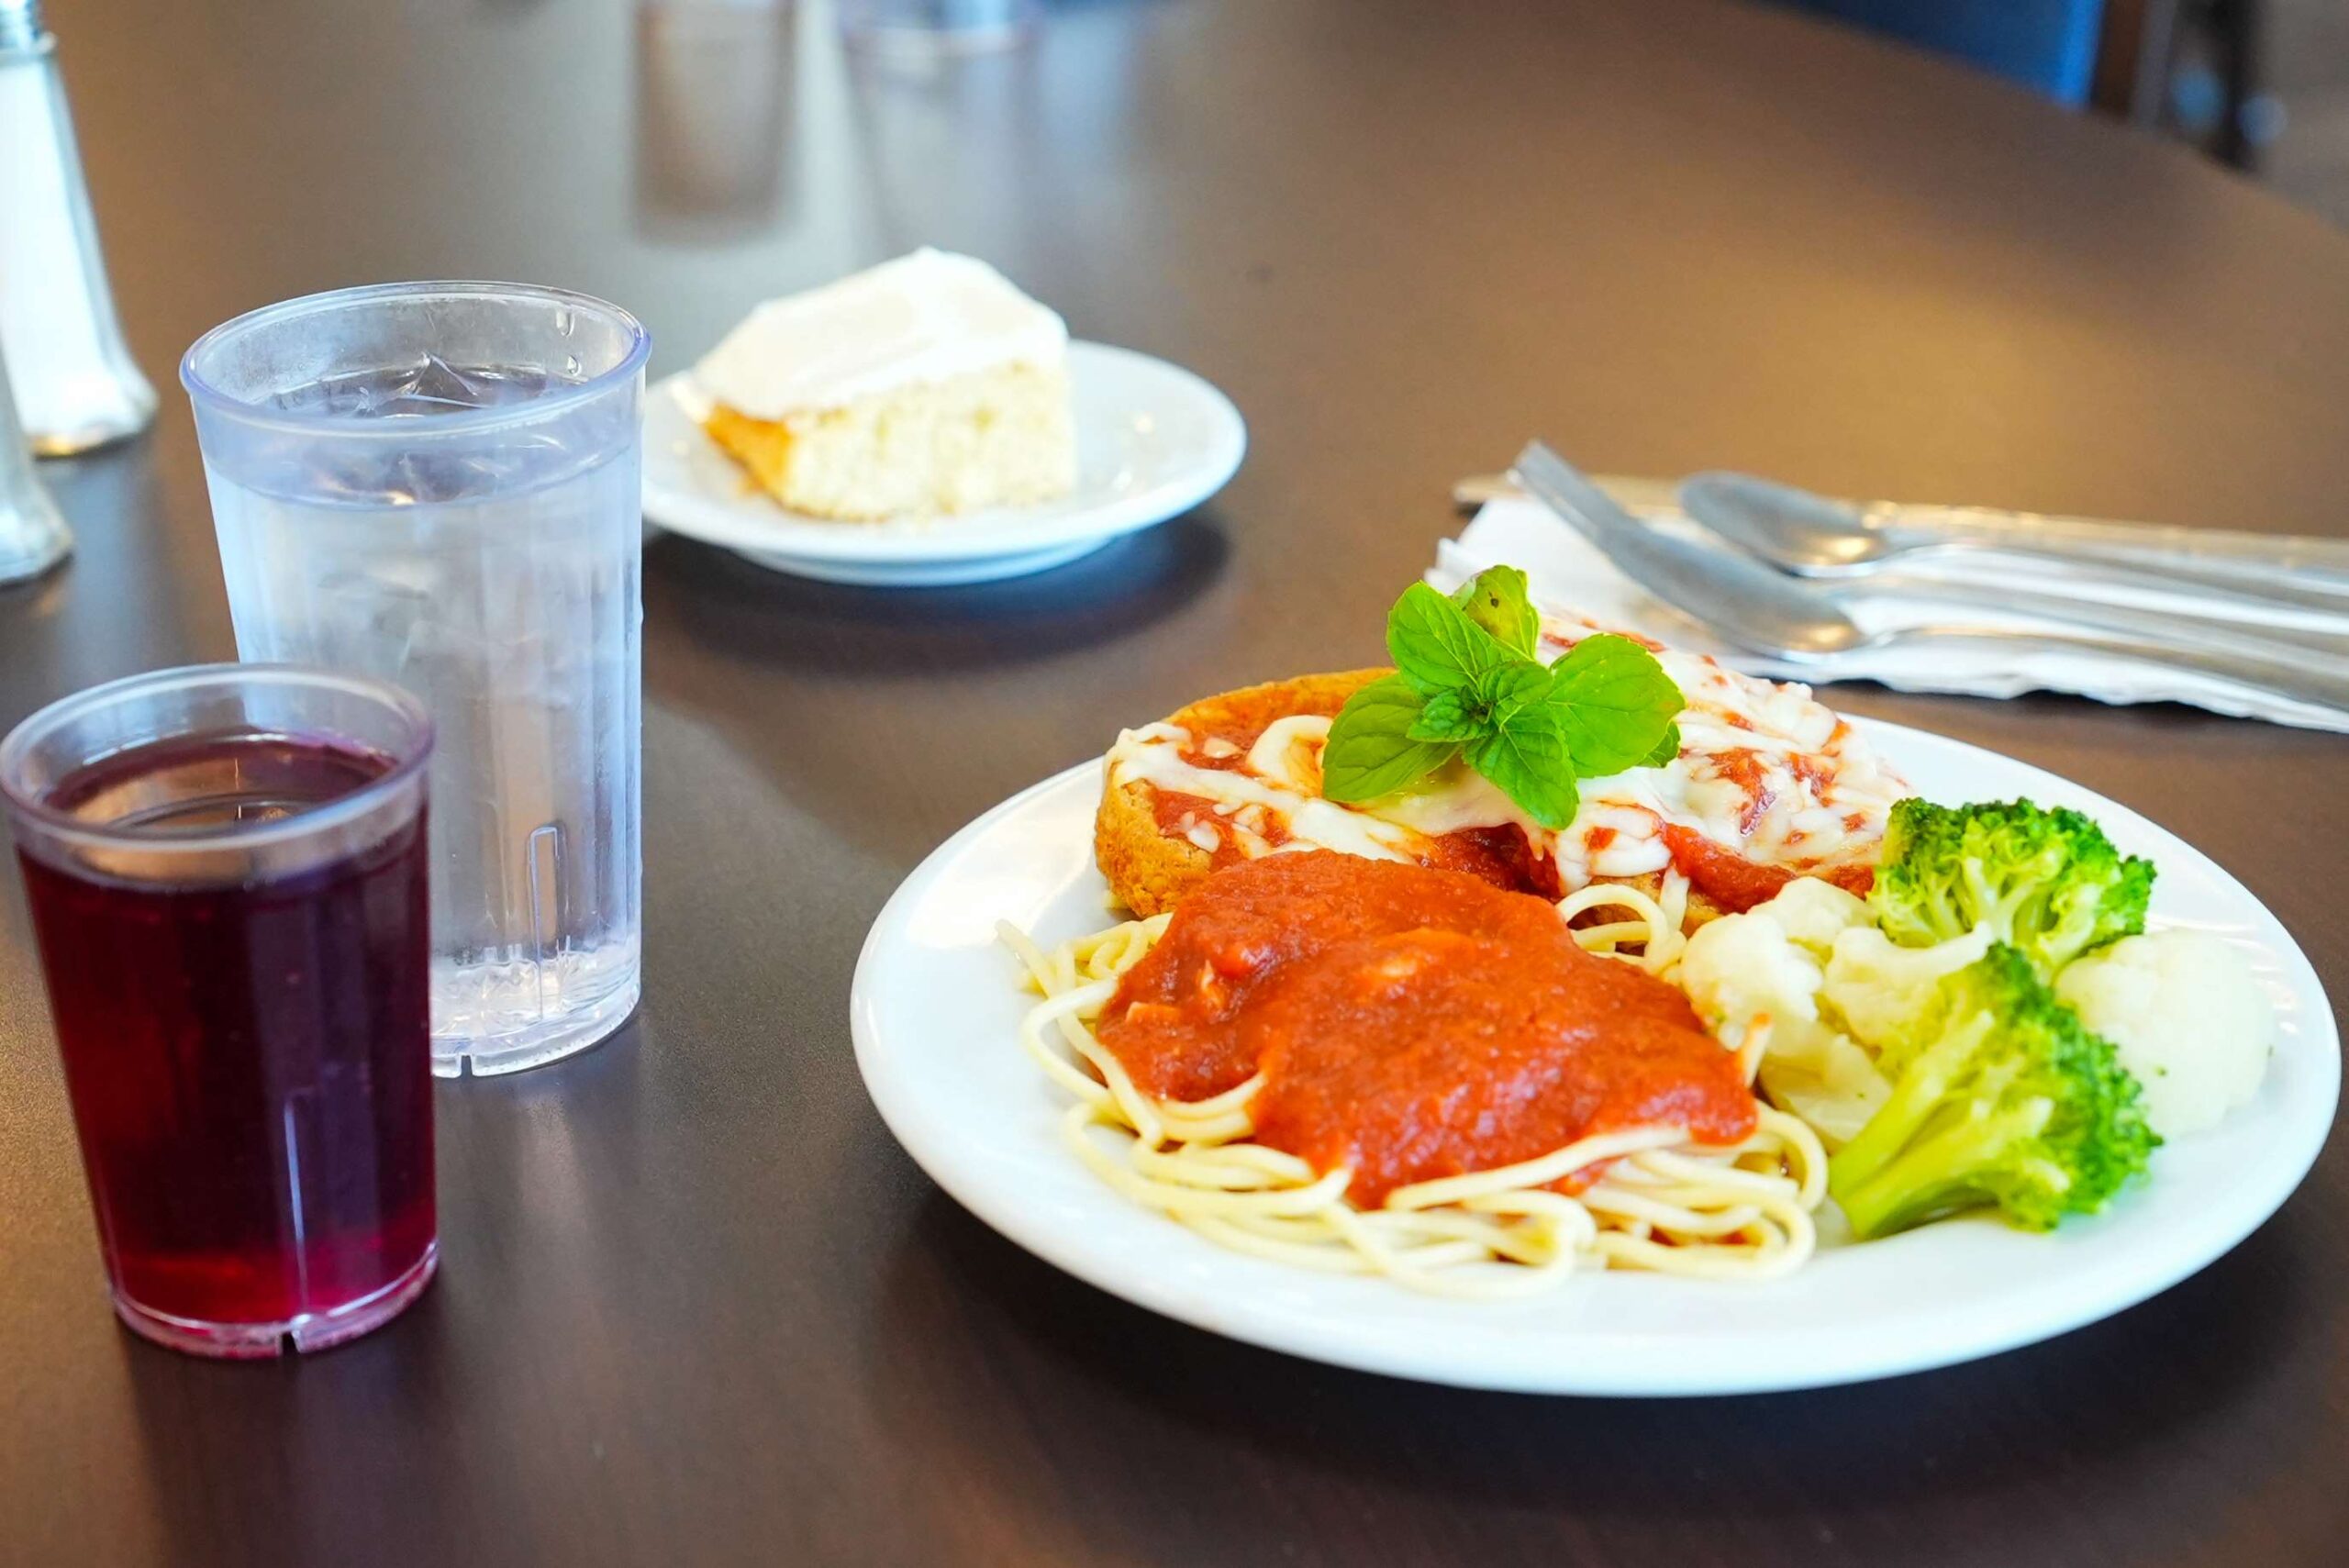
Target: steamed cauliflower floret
<point>1814,913</point>
<point>1837,1088</point>
<point>1875,986</point>
<point>2187,1017</point>
<point>1767,960</point>
<point>1743,967</point>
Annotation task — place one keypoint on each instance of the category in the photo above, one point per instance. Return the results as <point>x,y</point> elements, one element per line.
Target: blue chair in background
<point>2049,45</point>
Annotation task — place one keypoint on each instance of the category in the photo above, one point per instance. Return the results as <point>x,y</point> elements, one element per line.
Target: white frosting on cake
<point>922,318</point>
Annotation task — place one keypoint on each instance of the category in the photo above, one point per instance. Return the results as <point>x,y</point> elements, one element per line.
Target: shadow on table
<point>137,594</point>
<point>887,717</point>
<point>321,1458</point>
<point>744,613</point>
<point>1291,1450</point>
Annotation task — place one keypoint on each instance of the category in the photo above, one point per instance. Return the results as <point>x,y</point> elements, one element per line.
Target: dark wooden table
<point>695,1306</point>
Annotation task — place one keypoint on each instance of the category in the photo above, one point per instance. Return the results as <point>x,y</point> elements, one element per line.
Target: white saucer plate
<point>935,1006</point>
<point>1154,441</point>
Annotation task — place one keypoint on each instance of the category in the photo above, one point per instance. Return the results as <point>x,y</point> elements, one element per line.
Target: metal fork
<point>1766,612</point>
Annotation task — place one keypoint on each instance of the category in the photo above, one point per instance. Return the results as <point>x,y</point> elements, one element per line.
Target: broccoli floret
<point>2047,882</point>
<point>2003,1098</point>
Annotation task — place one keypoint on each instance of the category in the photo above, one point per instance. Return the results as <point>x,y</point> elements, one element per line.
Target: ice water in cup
<point>438,484</point>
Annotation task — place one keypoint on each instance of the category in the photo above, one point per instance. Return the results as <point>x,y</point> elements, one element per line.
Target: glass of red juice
<point>227,871</point>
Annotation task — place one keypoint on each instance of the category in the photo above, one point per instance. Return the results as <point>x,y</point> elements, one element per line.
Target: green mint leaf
<point>1451,717</point>
<point>1526,756</point>
<point>1666,749</point>
<point>1495,599</point>
<point>1435,646</point>
<point>1518,685</point>
<point>1613,703</point>
<point>1370,751</point>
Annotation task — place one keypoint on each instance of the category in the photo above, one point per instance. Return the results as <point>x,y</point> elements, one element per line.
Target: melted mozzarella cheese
<point>1454,797</point>
<point>1765,769</point>
<point>1288,752</point>
<point>1154,756</point>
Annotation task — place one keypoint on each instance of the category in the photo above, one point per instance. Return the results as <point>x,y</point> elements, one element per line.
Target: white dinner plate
<point>933,573</point>
<point>1152,442</point>
<point>935,1007</point>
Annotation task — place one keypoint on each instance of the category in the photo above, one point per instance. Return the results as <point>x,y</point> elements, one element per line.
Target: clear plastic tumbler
<point>436,484</point>
<point>226,867</point>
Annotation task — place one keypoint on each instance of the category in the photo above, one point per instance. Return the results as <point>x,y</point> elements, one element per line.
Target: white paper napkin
<point>1569,573</point>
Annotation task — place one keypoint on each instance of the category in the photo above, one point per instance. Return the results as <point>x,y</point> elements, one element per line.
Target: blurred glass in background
<point>936,26</point>
<point>713,106</point>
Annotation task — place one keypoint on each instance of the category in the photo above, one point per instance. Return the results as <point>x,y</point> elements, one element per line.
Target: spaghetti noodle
<point>1660,1201</point>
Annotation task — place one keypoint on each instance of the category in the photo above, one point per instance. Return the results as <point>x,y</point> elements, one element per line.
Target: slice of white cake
<point>923,385</point>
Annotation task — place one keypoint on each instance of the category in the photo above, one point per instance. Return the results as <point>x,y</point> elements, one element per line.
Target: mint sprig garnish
<point>1495,599</point>
<point>1614,701</point>
<point>1467,685</point>
<point>1379,756</point>
<point>1435,646</point>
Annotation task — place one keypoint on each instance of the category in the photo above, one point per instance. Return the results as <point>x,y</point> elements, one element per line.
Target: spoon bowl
<point>2202,571</point>
<point>1793,530</point>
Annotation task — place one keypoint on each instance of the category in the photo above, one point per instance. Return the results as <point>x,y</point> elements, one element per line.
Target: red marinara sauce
<point>1411,1023</point>
<point>1736,883</point>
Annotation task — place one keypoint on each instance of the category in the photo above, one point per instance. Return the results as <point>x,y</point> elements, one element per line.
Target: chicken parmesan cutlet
<point>1769,785</point>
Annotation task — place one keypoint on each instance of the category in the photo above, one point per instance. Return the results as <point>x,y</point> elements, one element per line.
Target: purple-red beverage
<point>241,1005</point>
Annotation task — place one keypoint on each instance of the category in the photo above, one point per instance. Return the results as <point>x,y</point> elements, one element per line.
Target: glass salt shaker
<point>76,386</point>
<point>33,537</point>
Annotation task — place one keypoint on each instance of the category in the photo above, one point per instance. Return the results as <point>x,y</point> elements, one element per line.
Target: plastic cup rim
<point>207,394</point>
<point>406,765</point>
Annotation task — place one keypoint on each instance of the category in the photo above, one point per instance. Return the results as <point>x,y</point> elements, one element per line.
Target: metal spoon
<point>1766,612</point>
<point>2197,616</point>
<point>1813,536</point>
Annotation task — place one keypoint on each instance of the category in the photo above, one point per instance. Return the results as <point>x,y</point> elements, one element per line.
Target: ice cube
<point>437,383</point>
